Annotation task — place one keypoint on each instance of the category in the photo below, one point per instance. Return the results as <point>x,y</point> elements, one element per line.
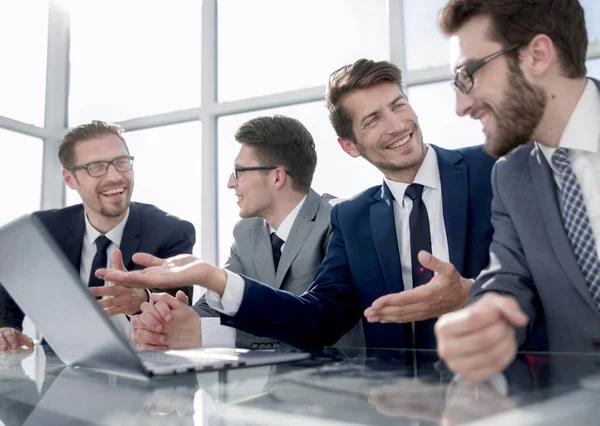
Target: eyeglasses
<point>463,78</point>
<point>237,170</point>
<point>100,168</point>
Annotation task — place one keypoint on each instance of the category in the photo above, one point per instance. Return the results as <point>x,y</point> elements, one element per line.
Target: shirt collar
<point>286,226</point>
<point>115,235</point>
<point>428,175</point>
<point>582,132</point>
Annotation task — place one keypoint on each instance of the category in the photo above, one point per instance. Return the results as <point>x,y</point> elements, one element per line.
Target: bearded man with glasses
<point>97,164</point>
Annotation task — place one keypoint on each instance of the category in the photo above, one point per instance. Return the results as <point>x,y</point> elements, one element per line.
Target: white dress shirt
<point>88,252</point>
<point>215,334</point>
<point>428,176</point>
<point>582,136</point>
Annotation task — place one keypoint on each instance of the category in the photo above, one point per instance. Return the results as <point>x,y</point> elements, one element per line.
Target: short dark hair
<point>92,130</point>
<point>362,74</point>
<point>518,21</point>
<point>282,141</point>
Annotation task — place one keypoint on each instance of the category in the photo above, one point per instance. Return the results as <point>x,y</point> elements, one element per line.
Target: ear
<point>540,55</point>
<point>69,179</point>
<point>349,147</point>
<point>281,177</point>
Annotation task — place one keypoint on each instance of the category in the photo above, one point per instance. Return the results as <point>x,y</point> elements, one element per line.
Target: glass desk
<point>337,387</point>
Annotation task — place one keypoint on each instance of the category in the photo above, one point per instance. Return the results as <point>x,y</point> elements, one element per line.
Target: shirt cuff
<point>216,335</point>
<point>230,303</point>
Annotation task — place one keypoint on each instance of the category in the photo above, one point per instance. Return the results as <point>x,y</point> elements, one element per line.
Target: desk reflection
<point>350,386</point>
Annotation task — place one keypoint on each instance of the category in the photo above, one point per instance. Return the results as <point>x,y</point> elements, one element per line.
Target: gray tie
<point>577,224</point>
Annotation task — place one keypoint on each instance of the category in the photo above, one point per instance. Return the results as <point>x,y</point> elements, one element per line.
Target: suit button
<point>254,346</point>
<point>261,346</point>
<point>276,345</point>
<point>596,344</point>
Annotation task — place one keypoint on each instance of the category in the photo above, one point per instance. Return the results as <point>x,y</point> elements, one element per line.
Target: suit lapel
<point>545,189</point>
<point>455,195</point>
<point>72,243</point>
<point>383,228</point>
<point>131,236</point>
<point>300,229</point>
<point>262,253</point>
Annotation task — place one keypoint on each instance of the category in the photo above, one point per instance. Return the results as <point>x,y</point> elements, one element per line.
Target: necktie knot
<point>414,191</point>
<point>560,159</point>
<point>276,242</point>
<point>102,243</point>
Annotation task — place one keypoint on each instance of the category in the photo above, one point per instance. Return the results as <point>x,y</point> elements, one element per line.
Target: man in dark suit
<point>97,164</point>
<point>281,239</point>
<point>535,100</point>
<point>432,201</point>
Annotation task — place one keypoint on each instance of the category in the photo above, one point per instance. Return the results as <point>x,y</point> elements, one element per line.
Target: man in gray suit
<point>280,241</point>
<point>533,98</point>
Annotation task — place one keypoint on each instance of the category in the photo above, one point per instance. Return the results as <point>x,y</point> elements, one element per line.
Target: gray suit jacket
<point>531,257</point>
<point>303,252</point>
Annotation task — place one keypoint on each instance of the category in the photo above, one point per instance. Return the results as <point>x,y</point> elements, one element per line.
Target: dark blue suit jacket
<point>362,260</point>
<point>148,229</point>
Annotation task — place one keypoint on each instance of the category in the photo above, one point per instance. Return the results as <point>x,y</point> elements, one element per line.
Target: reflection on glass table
<point>353,386</point>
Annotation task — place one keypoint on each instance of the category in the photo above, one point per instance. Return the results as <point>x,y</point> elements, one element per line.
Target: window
<point>425,44</point>
<point>272,46</point>
<point>435,104</point>
<point>21,172</point>
<point>337,173</point>
<point>24,35</point>
<point>133,58</point>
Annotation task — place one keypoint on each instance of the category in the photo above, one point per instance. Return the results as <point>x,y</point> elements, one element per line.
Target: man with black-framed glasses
<point>97,164</point>
<point>540,114</point>
<point>281,239</point>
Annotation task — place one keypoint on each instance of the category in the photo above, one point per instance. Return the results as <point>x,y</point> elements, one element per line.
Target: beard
<point>395,167</point>
<point>518,115</point>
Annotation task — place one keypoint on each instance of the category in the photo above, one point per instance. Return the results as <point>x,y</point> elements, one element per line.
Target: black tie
<point>99,261</point>
<point>276,244</point>
<point>420,239</point>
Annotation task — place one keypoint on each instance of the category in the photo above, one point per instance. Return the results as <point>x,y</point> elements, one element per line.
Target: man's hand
<point>446,292</point>
<point>177,271</point>
<point>116,298</point>
<point>479,340</point>
<point>168,324</point>
<point>11,339</point>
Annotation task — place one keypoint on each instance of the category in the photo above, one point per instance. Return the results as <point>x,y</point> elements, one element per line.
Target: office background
<point>181,76</point>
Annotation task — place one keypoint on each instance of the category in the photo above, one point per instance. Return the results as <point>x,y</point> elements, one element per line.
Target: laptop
<point>36,273</point>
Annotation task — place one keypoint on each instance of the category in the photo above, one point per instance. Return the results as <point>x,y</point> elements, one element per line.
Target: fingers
<point>11,339</point>
<point>152,347</point>
<point>107,290</point>
<point>117,260</point>
<point>509,307</point>
<point>485,364</point>
<point>182,297</point>
<point>436,265</point>
<point>169,300</point>
<point>146,259</point>
<point>160,310</point>
<point>407,297</point>
<point>400,314</point>
<point>482,340</point>
<point>147,321</point>
<point>141,336</point>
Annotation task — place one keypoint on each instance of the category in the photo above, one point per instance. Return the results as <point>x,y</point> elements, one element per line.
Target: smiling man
<point>521,70</point>
<point>432,199</point>
<point>97,164</point>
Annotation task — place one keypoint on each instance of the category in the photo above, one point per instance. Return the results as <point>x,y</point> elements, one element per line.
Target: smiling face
<point>386,130</point>
<point>509,107</point>
<point>104,197</point>
<point>252,188</point>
